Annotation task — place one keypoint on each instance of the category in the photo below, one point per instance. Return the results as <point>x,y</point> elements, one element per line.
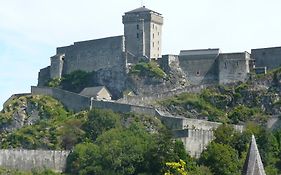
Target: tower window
<point>138,35</point>
<point>153,35</point>
<point>158,33</point>
<point>158,42</point>
<point>198,73</point>
<point>152,44</point>
<point>138,26</point>
<point>153,26</point>
<point>225,65</point>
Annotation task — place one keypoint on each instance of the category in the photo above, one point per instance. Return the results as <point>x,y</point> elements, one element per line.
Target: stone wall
<point>72,101</point>
<point>197,141</point>
<point>267,57</point>
<point>44,76</point>
<point>94,55</point>
<point>28,160</point>
<point>233,67</point>
<point>200,69</point>
<point>200,132</point>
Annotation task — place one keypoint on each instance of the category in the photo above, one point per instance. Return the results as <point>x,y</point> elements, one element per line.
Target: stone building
<point>207,66</point>
<point>267,58</point>
<point>112,57</point>
<point>98,93</point>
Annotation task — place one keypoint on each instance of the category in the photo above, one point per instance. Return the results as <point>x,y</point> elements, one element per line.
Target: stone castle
<point>112,57</point>
<point>142,40</point>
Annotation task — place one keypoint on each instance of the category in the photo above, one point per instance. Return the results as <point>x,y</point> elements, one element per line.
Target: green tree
<point>221,159</point>
<point>100,121</point>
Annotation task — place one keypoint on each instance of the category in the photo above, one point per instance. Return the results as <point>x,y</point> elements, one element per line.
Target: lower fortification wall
<point>33,159</point>
<point>195,134</point>
<point>72,101</point>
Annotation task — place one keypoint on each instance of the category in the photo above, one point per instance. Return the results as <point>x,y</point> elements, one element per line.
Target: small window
<point>198,73</point>
<point>138,26</point>
<point>237,63</point>
<point>158,33</point>
<point>152,44</point>
<point>158,49</point>
<point>225,65</point>
<point>158,42</point>
<point>153,35</point>
<point>153,26</point>
<point>138,35</point>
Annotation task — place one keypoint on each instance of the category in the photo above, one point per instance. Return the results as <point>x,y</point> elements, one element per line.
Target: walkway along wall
<point>33,159</point>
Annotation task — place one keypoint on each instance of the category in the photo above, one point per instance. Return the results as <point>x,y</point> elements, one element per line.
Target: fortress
<point>112,58</point>
<point>142,40</point>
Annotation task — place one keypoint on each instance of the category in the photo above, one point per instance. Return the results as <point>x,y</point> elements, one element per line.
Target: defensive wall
<point>92,55</point>
<point>72,101</point>
<point>267,57</point>
<point>200,66</point>
<point>33,159</point>
<point>233,67</point>
<point>195,134</point>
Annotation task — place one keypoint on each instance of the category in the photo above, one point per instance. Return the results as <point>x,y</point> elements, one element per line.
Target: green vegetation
<point>54,82</point>
<point>104,142</point>
<point>227,153</point>
<point>33,172</point>
<point>188,101</point>
<point>150,69</point>
<point>227,104</point>
<point>76,81</point>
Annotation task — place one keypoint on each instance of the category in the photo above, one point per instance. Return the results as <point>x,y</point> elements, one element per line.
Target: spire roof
<point>253,164</point>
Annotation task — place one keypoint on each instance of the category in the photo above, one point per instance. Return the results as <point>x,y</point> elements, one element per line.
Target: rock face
<point>24,110</point>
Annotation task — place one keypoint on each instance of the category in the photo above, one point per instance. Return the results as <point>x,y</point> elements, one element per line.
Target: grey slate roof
<point>92,91</point>
<point>141,9</point>
<point>253,164</point>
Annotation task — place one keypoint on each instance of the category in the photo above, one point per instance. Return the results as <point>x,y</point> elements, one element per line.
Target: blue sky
<point>30,30</point>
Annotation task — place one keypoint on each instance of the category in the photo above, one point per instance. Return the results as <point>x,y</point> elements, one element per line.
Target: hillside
<point>256,100</point>
<point>104,142</point>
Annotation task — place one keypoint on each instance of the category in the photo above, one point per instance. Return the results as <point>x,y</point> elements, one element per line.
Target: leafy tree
<point>84,159</point>
<point>221,159</point>
<point>100,121</point>
<point>76,81</point>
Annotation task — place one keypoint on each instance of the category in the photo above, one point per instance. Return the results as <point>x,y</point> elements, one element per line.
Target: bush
<point>150,69</point>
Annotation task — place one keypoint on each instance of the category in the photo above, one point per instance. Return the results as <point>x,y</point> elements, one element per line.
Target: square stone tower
<point>143,33</point>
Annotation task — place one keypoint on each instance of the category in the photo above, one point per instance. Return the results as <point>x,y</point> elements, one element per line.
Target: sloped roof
<point>141,9</point>
<point>92,91</point>
<point>253,164</point>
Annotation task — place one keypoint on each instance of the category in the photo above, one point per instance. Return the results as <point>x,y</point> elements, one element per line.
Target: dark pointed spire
<point>253,164</point>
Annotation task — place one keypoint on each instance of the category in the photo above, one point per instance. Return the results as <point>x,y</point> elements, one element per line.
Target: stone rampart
<point>197,141</point>
<point>195,134</point>
<point>93,55</point>
<point>33,159</point>
<point>267,57</point>
<point>72,101</point>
